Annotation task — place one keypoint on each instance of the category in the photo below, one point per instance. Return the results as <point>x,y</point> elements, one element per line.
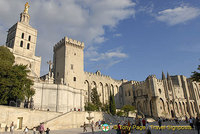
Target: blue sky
<point>126,39</point>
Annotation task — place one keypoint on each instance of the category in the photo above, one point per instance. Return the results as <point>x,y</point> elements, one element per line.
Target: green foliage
<point>95,98</point>
<point>196,75</point>
<point>6,57</point>
<point>90,107</point>
<point>14,81</point>
<point>112,105</point>
<point>120,113</point>
<point>105,108</point>
<point>127,109</point>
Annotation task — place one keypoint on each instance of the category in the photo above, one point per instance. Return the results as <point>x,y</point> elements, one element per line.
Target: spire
<point>163,76</point>
<point>24,16</point>
<point>168,77</point>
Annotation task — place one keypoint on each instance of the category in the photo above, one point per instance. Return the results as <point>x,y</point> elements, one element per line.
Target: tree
<point>112,105</point>
<point>196,75</point>
<point>14,82</point>
<point>127,109</point>
<point>120,113</point>
<point>95,98</point>
<point>90,107</point>
<point>105,108</point>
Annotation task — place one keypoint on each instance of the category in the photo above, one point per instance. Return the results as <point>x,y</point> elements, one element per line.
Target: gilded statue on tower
<point>26,7</point>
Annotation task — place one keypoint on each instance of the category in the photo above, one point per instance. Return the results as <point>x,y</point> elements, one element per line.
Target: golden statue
<point>26,7</point>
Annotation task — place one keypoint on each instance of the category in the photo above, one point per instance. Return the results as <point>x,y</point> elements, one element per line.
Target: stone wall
<point>53,120</point>
<point>57,97</point>
<point>30,118</point>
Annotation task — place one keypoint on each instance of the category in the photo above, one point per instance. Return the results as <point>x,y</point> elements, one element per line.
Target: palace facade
<point>68,87</point>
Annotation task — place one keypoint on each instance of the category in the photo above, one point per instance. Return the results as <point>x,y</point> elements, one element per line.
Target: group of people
<point>40,128</point>
<point>92,125</point>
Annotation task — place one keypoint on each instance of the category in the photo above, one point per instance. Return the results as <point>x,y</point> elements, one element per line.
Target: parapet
<point>70,41</point>
<point>74,42</point>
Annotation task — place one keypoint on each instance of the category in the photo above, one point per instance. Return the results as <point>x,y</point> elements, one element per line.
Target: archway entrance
<point>172,113</point>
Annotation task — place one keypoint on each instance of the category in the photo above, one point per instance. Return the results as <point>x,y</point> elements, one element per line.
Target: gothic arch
<point>181,110</point>
<point>94,85</point>
<point>101,97</point>
<point>112,89</point>
<point>184,108</point>
<point>162,105</point>
<point>87,89</point>
<point>106,95</point>
<point>192,107</point>
<point>176,105</point>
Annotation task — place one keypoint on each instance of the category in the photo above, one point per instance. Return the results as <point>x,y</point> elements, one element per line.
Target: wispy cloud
<point>117,35</point>
<point>178,15</point>
<point>106,59</point>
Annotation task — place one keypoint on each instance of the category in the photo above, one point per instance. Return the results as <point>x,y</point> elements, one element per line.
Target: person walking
<point>118,128</point>
<point>47,131</point>
<point>84,127</point>
<point>197,124</point>
<point>99,123</point>
<point>26,130</point>
<point>143,122</point>
<point>191,123</point>
<point>160,123</point>
<point>12,128</point>
<point>34,130</point>
<point>92,127</point>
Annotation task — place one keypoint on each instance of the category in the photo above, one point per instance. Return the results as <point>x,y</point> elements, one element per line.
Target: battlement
<point>74,42</point>
<point>139,83</point>
<point>98,74</point>
<point>70,41</point>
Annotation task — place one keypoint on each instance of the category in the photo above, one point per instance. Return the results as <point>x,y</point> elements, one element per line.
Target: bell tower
<point>21,39</point>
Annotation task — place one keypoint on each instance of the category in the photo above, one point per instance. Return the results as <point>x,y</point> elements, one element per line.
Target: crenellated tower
<point>69,63</point>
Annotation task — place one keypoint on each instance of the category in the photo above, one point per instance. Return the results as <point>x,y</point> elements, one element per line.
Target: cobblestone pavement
<point>112,131</point>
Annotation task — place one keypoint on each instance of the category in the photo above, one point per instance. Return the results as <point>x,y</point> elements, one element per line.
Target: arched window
<point>21,44</point>
<point>159,90</point>
<point>28,46</point>
<point>22,35</point>
<point>29,38</point>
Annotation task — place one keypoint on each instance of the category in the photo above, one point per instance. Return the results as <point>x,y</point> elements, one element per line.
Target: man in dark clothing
<point>47,131</point>
<point>160,123</point>
<point>197,124</point>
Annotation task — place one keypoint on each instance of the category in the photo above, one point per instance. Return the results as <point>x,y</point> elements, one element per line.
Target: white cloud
<point>117,35</point>
<point>107,59</point>
<point>178,15</point>
<point>83,20</point>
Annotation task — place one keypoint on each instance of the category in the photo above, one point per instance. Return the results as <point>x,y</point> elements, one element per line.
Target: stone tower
<point>21,40</point>
<point>69,63</point>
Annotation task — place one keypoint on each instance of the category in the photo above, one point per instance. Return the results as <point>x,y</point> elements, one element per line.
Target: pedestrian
<point>160,123</point>
<point>41,129</point>
<point>118,128</point>
<point>6,128</point>
<point>92,127</point>
<point>191,122</point>
<point>99,122</point>
<point>143,122</point>
<point>197,124</point>
<point>34,130</point>
<point>186,119</point>
<point>26,130</point>
<point>47,131</point>
<point>84,127</point>
<point>12,128</point>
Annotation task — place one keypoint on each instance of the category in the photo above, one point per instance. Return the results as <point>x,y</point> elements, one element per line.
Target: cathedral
<point>67,87</point>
